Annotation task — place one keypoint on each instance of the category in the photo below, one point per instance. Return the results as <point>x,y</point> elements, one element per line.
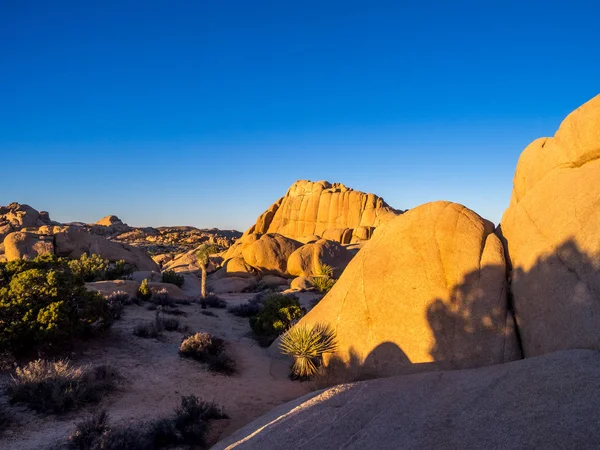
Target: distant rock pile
<point>315,223</point>
<point>330,211</point>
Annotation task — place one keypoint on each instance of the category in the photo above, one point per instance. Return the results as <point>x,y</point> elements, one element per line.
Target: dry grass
<point>57,387</point>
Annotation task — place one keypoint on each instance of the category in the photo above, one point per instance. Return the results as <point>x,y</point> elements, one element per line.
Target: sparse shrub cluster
<point>116,303</point>
<point>208,349</point>
<point>187,428</point>
<point>212,301</point>
<point>154,328</point>
<point>95,268</point>
<point>43,305</point>
<point>170,276</point>
<point>249,309</point>
<point>57,387</point>
<point>307,344</point>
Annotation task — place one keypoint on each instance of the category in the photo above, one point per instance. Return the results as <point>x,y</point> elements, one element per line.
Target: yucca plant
<point>324,280</point>
<point>203,258</point>
<point>307,344</point>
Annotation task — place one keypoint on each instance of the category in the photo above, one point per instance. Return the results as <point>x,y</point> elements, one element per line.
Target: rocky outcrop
<point>552,235</point>
<point>332,211</point>
<point>15,217</point>
<point>108,288</point>
<point>430,287</point>
<point>269,253</point>
<point>546,402</point>
<point>308,259</point>
<point>22,245</point>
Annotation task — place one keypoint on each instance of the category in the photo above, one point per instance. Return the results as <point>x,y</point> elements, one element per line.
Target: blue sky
<point>203,113</point>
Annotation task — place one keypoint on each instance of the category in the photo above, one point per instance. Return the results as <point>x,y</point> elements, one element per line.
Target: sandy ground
<point>155,377</point>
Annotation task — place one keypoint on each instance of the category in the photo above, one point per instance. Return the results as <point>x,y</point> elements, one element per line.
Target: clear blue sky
<point>204,112</point>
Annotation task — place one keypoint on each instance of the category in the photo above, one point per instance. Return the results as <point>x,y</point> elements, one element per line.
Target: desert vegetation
<point>324,280</point>
<point>210,350</point>
<point>154,328</point>
<point>170,276</point>
<point>186,427</point>
<point>144,292</point>
<point>307,344</point>
<point>203,258</point>
<point>57,386</point>
<point>44,305</point>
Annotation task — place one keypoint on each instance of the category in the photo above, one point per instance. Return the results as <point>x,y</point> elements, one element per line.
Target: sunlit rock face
<point>429,287</point>
<point>552,236</point>
<point>331,211</point>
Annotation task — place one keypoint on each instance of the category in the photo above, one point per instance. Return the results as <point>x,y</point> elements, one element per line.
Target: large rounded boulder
<point>308,259</point>
<point>22,245</point>
<point>429,287</point>
<point>74,243</point>
<point>270,253</point>
<point>550,402</point>
<point>552,235</point>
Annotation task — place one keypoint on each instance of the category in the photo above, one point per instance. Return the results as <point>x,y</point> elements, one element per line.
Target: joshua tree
<point>202,257</point>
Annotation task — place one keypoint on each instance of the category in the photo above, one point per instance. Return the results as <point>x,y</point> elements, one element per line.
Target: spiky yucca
<point>307,344</point>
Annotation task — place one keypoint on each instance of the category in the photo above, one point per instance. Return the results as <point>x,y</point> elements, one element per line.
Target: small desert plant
<point>324,280</point>
<point>162,298</point>
<point>148,329</point>
<point>307,344</point>
<point>278,313</point>
<point>116,303</point>
<point>172,277</point>
<point>172,324</point>
<point>212,301</point>
<point>89,430</point>
<point>57,387</point>
<point>144,292</point>
<point>208,349</point>
<point>186,428</point>
<point>249,309</point>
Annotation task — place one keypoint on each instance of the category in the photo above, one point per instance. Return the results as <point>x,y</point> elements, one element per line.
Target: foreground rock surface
<point>545,402</point>
<point>429,287</point>
<point>552,233</point>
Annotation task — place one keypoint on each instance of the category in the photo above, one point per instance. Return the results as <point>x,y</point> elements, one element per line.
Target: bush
<point>186,428</point>
<point>116,303</point>
<point>43,305</point>
<point>212,301</point>
<point>95,268</point>
<point>172,277</point>
<point>57,387</point>
<point>162,298</point>
<point>210,350</point>
<point>249,309</point>
<point>144,292</point>
<point>149,330</point>
<point>324,280</point>
<point>153,329</point>
<point>278,313</point>
<point>306,345</point>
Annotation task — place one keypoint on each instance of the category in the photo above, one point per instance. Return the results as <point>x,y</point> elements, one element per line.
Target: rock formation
<point>15,217</point>
<point>72,243</point>
<point>308,259</point>
<point>429,287</point>
<point>545,402</point>
<point>332,211</point>
<point>552,234</point>
<point>270,252</point>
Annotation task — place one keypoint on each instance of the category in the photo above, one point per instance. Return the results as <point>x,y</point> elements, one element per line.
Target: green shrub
<point>306,344</point>
<point>57,387</point>
<point>278,313</point>
<point>95,268</point>
<point>187,428</point>
<point>170,276</point>
<point>324,280</point>
<point>144,292</point>
<point>119,270</point>
<point>210,350</point>
<point>43,305</point>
